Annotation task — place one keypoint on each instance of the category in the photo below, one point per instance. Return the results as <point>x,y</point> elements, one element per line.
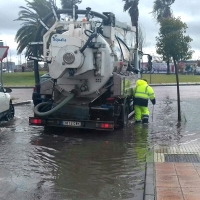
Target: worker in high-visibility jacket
<point>142,93</point>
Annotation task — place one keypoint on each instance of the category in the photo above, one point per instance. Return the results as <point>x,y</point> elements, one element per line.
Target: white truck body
<point>92,73</point>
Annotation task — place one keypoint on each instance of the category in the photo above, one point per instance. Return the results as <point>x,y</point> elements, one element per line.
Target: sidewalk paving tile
<point>177,178</point>
<point>191,193</point>
<point>177,181</point>
<point>164,193</point>
<point>167,181</point>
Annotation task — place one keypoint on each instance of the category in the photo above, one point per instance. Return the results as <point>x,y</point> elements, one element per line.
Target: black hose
<point>55,109</point>
<point>99,31</point>
<point>88,41</point>
<point>85,31</point>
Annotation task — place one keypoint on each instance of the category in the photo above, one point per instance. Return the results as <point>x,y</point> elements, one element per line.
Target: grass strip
<point>27,78</point>
<point>20,79</point>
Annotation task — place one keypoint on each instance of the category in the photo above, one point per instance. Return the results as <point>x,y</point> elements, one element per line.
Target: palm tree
<point>66,4</point>
<point>29,16</point>
<point>132,7</point>
<point>161,10</point>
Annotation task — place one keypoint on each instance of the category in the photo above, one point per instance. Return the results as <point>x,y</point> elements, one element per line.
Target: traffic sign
<point>3,52</point>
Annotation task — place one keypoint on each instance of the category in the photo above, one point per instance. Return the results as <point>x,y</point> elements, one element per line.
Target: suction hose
<point>88,41</point>
<point>59,106</point>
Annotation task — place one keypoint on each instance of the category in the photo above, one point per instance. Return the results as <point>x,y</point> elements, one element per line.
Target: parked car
<point>7,110</point>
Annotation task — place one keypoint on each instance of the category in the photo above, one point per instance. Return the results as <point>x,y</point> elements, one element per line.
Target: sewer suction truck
<point>92,71</point>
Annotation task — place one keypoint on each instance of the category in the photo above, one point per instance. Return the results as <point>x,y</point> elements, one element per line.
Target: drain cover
<point>192,158</point>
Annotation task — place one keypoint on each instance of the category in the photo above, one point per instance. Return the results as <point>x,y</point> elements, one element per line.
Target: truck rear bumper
<point>84,124</point>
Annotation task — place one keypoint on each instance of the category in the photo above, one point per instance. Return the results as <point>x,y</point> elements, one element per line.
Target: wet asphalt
<point>84,164</point>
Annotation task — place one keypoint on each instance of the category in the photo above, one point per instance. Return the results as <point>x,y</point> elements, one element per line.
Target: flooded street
<point>68,164</point>
<point>165,129</point>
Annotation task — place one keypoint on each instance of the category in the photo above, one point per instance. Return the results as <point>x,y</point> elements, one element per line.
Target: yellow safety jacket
<point>142,93</point>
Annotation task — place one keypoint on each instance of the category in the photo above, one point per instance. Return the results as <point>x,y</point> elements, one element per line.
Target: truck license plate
<point>71,123</point>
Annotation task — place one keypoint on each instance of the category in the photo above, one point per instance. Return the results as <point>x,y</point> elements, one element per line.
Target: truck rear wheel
<point>124,117</point>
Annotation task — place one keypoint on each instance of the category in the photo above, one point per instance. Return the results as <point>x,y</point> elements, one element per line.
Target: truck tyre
<point>124,117</point>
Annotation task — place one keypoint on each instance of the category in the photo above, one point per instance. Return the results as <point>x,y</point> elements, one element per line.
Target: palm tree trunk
<point>137,36</point>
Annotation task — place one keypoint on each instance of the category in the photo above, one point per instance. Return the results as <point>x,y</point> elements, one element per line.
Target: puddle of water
<point>89,164</point>
<point>96,166</point>
<point>74,164</point>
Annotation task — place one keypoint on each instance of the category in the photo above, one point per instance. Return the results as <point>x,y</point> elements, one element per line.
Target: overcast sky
<point>187,10</point>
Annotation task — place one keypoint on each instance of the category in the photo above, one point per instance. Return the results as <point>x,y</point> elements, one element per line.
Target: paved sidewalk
<point>173,173</point>
<point>23,95</point>
<point>177,181</point>
<point>174,84</point>
<point>17,103</point>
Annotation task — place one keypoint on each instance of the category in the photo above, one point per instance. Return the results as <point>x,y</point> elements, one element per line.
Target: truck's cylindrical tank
<point>88,71</point>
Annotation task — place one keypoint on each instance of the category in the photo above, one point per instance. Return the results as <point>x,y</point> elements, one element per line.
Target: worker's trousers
<point>141,112</point>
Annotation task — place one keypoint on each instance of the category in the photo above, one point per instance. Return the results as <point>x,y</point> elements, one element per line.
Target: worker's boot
<point>145,119</point>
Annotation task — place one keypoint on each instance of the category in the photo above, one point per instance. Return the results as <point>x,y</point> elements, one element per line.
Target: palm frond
<point>132,8</point>
<point>66,4</point>
<point>161,9</point>
<point>29,15</point>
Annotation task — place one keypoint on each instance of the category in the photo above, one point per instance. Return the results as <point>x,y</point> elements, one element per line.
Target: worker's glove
<point>153,101</point>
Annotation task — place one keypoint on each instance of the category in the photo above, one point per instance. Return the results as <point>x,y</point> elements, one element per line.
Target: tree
<point>161,10</point>
<point>29,15</point>
<point>132,7</point>
<point>172,43</point>
<point>67,4</point>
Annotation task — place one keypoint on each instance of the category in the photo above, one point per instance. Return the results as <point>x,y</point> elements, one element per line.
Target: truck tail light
<point>104,125</point>
<point>36,121</point>
<point>110,99</point>
<point>34,89</point>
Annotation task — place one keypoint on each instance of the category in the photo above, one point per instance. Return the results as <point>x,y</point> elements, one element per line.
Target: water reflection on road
<point>72,164</point>
<point>165,128</point>
<point>94,165</point>
<point>83,164</point>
